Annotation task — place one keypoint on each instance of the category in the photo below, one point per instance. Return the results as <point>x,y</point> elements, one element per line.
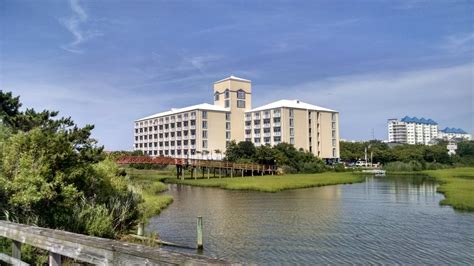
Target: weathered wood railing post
<point>141,229</point>
<point>16,250</point>
<point>54,259</point>
<point>199,232</point>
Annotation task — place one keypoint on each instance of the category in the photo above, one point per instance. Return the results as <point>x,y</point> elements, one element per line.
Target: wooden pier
<point>89,249</point>
<point>207,167</point>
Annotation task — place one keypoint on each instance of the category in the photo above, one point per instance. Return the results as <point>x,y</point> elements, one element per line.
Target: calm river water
<point>385,220</point>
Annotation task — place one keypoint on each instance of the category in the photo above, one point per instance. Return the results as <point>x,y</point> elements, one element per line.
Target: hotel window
<point>141,130</point>
<point>155,128</point>
<point>333,125</point>
<point>136,130</point>
<point>150,128</point>
<point>145,129</point>
<point>292,113</point>
<point>172,134</point>
<point>136,138</point>
<point>145,137</point>
<point>334,142</point>
<point>277,139</point>
<point>204,124</point>
<point>204,134</point>
<point>204,114</point>
<point>193,122</point>
<point>334,154</point>
<point>226,93</point>
<point>216,96</point>
<point>141,145</point>
<point>155,136</point>
<point>227,103</point>
<point>161,135</point>
<point>277,129</point>
<point>292,140</point>
<point>292,122</point>
<point>227,125</point>
<point>333,117</point>
<point>240,94</point>
<point>227,116</point>
<point>334,133</point>
<point>256,140</point>
<point>136,145</point>
<point>276,120</point>
<point>141,137</point>
<point>248,123</point>
<point>240,104</point>
<point>266,140</point>
<point>256,131</point>
<point>256,122</point>
<point>145,144</point>
<point>292,131</point>
<point>227,135</point>
<point>204,144</point>
<point>248,131</point>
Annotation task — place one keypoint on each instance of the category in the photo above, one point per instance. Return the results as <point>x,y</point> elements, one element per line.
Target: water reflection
<point>384,220</point>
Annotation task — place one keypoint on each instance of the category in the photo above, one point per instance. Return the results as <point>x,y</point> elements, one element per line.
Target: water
<point>385,220</point>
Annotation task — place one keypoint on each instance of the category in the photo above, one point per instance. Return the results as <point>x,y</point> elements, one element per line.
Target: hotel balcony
<point>160,131</point>
<point>277,134</point>
<point>266,116</point>
<point>248,127</point>
<point>185,146</point>
<point>193,137</point>
<point>266,134</point>
<point>178,147</point>
<point>256,126</point>
<point>185,137</point>
<point>266,125</point>
<point>178,129</point>
<point>185,128</point>
<point>276,114</point>
<point>278,124</point>
<point>192,127</point>
<point>257,135</point>
<point>193,117</point>
<point>172,138</point>
<point>248,135</point>
<point>179,119</point>
<point>192,146</point>
<point>179,138</point>
<point>248,118</point>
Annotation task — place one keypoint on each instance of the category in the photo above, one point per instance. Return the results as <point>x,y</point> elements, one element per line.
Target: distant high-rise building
<point>453,133</point>
<point>411,130</point>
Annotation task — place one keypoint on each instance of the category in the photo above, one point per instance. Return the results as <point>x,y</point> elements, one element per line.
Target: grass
<point>148,184</point>
<point>274,183</point>
<point>457,185</point>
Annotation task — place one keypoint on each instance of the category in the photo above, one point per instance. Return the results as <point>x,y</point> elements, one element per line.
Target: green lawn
<point>457,185</point>
<point>148,184</point>
<point>273,183</point>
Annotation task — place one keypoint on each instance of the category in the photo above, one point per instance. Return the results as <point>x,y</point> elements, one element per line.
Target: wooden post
<point>252,169</point>
<point>208,173</point>
<point>177,171</point>
<point>16,249</point>
<point>54,259</point>
<point>220,172</point>
<point>242,172</point>
<point>232,172</point>
<point>182,173</point>
<point>263,170</point>
<point>141,229</point>
<point>199,232</point>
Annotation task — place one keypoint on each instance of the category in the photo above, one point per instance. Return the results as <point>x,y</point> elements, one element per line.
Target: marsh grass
<point>149,184</point>
<point>274,183</point>
<point>457,185</point>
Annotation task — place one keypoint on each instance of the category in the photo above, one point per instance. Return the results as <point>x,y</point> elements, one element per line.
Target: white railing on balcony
<point>277,134</point>
<point>248,127</point>
<point>266,125</point>
<point>248,135</point>
<point>276,114</point>
<point>248,118</point>
<point>266,134</point>
<point>179,137</point>
<point>192,146</point>
<point>185,128</point>
<point>278,124</point>
<point>193,117</point>
<point>266,116</point>
<point>178,129</point>
<point>193,137</point>
<point>256,126</point>
<point>178,147</point>
<point>192,127</point>
<point>185,137</point>
<point>257,135</point>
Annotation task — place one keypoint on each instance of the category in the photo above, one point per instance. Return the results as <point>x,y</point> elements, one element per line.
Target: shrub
<point>286,169</point>
<point>313,167</point>
<point>403,167</point>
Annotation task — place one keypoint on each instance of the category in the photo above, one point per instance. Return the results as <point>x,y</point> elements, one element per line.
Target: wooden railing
<point>94,250</point>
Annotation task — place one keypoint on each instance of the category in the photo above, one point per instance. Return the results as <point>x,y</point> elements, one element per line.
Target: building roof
<point>297,104</point>
<point>233,78</point>
<point>453,130</point>
<point>422,120</point>
<point>202,106</point>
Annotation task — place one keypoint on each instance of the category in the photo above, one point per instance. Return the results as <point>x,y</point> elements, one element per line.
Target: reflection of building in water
<point>415,188</point>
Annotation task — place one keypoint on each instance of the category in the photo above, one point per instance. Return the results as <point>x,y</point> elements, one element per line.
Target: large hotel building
<point>203,130</point>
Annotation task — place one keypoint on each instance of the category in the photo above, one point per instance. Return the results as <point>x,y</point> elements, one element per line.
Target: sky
<point>108,62</point>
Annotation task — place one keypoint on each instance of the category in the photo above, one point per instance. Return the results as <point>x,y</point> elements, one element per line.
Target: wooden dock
<point>89,249</point>
<point>207,167</point>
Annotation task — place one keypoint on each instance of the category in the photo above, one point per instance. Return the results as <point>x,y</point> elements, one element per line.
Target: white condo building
<point>411,130</point>
<point>453,133</point>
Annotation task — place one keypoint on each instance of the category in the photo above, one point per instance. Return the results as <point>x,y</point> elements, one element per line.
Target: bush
<point>403,167</point>
<point>286,169</point>
<point>313,167</point>
<point>339,167</point>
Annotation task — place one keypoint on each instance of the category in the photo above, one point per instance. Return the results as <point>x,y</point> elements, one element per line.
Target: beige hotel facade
<point>203,130</point>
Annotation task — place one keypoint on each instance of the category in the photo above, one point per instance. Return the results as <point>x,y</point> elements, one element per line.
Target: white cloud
<point>367,101</point>
<point>459,43</point>
<point>74,25</point>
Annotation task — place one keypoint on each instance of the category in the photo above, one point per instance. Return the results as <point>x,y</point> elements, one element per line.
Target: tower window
<point>226,93</point>
<point>240,94</point>
<point>240,104</point>
<point>227,103</point>
<point>216,96</point>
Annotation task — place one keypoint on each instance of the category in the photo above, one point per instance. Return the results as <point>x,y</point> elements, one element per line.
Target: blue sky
<point>110,62</point>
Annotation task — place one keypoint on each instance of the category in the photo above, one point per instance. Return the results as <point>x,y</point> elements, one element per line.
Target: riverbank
<point>149,184</point>
<point>457,185</point>
<point>274,183</point>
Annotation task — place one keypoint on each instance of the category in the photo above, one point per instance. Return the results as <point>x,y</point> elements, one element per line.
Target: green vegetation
<point>53,174</point>
<point>148,184</point>
<point>274,183</point>
<point>284,155</point>
<point>457,184</point>
<point>405,157</point>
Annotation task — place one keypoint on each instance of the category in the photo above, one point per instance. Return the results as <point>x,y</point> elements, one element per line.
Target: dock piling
<point>199,232</point>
